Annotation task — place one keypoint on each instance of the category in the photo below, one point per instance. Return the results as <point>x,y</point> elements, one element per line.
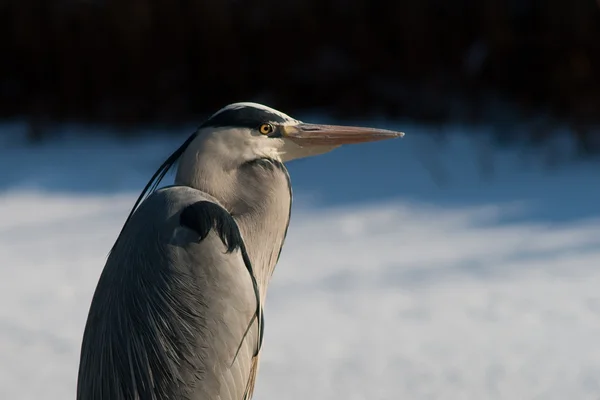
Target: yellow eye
<point>265,129</point>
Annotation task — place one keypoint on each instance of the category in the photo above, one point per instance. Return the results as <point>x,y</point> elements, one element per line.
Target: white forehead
<point>258,106</point>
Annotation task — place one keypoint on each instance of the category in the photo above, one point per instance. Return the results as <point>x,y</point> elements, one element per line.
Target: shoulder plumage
<point>203,216</point>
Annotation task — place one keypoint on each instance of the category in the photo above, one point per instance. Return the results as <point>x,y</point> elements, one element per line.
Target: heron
<point>177,312</point>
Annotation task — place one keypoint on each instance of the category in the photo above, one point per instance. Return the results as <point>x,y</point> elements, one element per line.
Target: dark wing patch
<point>202,217</point>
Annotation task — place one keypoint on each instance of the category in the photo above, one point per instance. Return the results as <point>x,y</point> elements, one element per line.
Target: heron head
<point>243,132</point>
<point>246,131</point>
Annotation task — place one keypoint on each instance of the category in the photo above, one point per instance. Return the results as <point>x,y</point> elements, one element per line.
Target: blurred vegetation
<point>128,62</point>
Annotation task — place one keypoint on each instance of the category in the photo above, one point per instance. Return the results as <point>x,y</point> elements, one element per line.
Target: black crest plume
<point>158,176</point>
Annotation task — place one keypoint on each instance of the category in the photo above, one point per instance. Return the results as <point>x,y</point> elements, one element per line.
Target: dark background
<point>128,63</point>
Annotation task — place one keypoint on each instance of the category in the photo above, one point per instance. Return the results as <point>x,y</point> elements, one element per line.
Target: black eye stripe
<point>247,117</point>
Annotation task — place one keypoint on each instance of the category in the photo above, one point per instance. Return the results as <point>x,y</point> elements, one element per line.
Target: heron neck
<point>263,216</point>
<point>258,195</point>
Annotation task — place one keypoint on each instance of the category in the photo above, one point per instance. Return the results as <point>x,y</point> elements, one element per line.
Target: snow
<point>390,286</point>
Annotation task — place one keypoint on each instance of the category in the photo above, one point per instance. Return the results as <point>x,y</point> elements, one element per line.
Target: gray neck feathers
<point>264,224</point>
<point>258,195</point>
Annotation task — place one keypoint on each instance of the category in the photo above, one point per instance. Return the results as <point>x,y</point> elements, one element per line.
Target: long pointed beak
<point>335,135</point>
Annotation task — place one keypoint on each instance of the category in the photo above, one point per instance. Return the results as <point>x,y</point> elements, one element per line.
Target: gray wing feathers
<point>170,312</point>
<point>232,307</point>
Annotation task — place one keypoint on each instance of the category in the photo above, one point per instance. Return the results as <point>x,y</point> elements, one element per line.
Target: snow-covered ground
<point>406,275</point>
